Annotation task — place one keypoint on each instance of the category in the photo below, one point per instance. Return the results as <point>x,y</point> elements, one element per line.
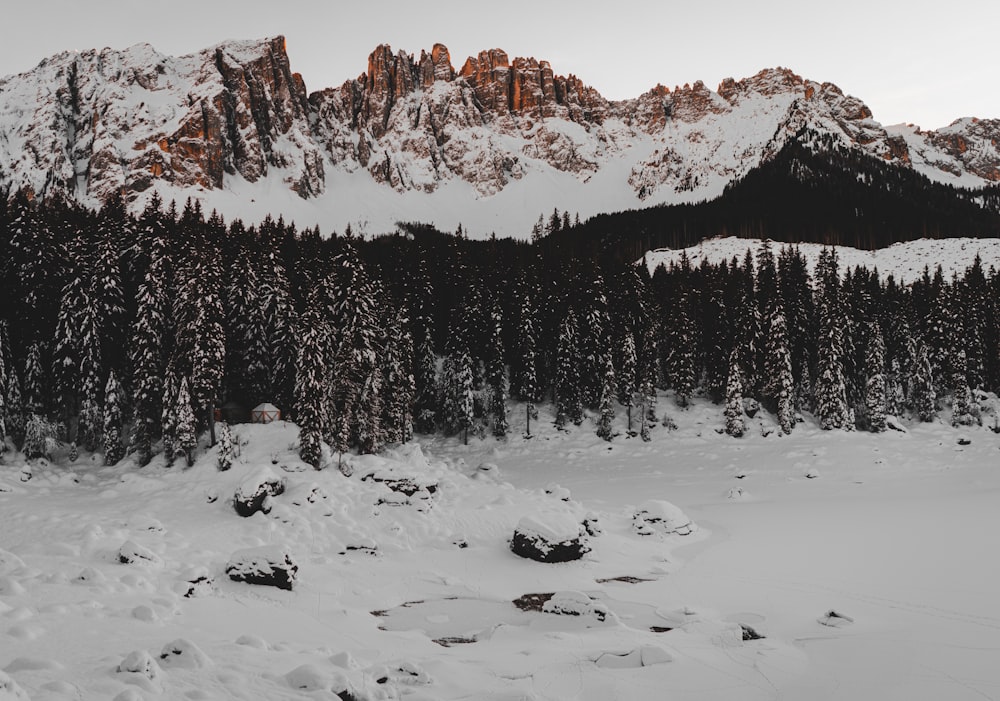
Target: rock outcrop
<point>94,123</point>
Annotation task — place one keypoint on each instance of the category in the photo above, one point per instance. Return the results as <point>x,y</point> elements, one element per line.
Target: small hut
<point>265,413</point>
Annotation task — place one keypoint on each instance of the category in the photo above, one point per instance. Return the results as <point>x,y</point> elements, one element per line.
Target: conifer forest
<point>135,334</point>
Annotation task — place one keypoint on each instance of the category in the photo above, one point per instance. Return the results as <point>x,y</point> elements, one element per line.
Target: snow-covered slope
<point>904,261</point>
<point>491,145</point>
<point>414,596</point>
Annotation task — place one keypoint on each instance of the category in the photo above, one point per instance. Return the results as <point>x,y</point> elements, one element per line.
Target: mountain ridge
<point>492,144</point>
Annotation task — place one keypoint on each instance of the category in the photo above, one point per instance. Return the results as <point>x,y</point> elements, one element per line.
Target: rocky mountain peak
<point>222,119</point>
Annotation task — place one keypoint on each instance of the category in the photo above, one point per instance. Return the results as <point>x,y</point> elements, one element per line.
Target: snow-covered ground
<point>896,533</point>
<point>905,261</point>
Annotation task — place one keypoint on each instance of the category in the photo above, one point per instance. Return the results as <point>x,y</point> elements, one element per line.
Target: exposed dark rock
<point>253,492</point>
<point>267,566</point>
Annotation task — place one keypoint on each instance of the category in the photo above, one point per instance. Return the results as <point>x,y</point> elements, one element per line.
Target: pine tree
<point>149,338</point>
<point>34,380</point>
<point>186,440</point>
<point>114,451</point>
<point>875,390</point>
<point>311,377</point>
<point>964,412</point>
<point>425,404</point>
<point>168,416</point>
<point>735,425</point>
<point>227,451</point>
<point>779,385</point>
<point>923,398</point>
<point>40,437</point>
<point>569,399</point>
<point>16,422</point>
<point>528,379</point>
<point>605,429</point>
<point>831,391</point>
<point>626,376</point>
<point>3,402</point>
<point>496,376</point>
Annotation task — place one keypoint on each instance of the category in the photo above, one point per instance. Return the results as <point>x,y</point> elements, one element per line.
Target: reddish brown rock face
<point>127,120</point>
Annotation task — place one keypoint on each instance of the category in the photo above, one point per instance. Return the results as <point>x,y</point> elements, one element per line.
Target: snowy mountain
<point>491,145</point>
<point>904,261</point>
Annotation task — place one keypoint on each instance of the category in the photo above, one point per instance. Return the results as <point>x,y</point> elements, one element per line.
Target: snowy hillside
<point>490,145</point>
<point>822,565</point>
<point>904,261</point>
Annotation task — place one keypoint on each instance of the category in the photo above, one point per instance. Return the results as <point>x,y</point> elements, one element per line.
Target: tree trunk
<point>527,415</point>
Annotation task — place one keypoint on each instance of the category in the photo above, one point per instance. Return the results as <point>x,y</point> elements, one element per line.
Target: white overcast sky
<point>920,62</point>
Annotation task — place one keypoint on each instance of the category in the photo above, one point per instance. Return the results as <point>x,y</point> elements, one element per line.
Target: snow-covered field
<point>896,533</point>
<point>905,261</point>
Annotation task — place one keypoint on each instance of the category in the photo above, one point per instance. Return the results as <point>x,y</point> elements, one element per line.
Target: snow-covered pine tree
<point>569,399</point>
<point>735,425</point>
<point>41,437</point>
<point>311,378</point>
<point>398,384</point>
<point>227,451</point>
<point>779,385</point>
<point>425,408</point>
<point>186,440</point>
<point>528,379</point>
<point>875,389</point>
<point>895,395</point>
<point>681,357</point>
<point>923,397</point>
<point>830,390</point>
<point>107,296</point>
<point>463,395</point>
<point>496,376</point>
<point>148,346</point>
<point>605,428</point>
<point>3,402</point>
<point>16,420</point>
<point>168,416</point>
<point>91,386</point>
<point>964,411</point>
<point>66,348</point>
<point>627,377</point>
<point>114,450</point>
<point>34,380</point>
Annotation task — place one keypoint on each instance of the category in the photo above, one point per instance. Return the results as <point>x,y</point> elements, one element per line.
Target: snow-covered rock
<point>575,603</point>
<point>131,553</point>
<point>659,516</point>
<point>555,537</point>
<point>253,492</point>
<point>183,654</point>
<point>267,565</point>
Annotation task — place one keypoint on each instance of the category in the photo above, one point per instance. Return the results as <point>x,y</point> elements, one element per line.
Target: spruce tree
<point>964,412</point>
<point>227,451</point>
<point>311,377</point>
<point>114,450</point>
<point>735,425</point>
<point>3,402</point>
<point>875,390</point>
<point>186,440</point>
<point>16,420</point>
<point>569,399</point>
<point>496,377</point>
<point>779,385</point>
<point>830,390</point>
<point>923,398</point>
<point>605,429</point>
<point>528,379</point>
<point>626,376</point>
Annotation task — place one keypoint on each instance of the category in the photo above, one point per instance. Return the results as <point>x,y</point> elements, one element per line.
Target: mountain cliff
<point>492,144</point>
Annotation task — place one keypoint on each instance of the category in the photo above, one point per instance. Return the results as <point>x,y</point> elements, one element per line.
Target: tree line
<point>124,334</point>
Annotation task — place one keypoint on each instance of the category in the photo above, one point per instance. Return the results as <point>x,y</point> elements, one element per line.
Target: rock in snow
<point>131,553</point>
<point>251,496</point>
<point>554,538</point>
<point>269,565</point>
<point>661,516</point>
